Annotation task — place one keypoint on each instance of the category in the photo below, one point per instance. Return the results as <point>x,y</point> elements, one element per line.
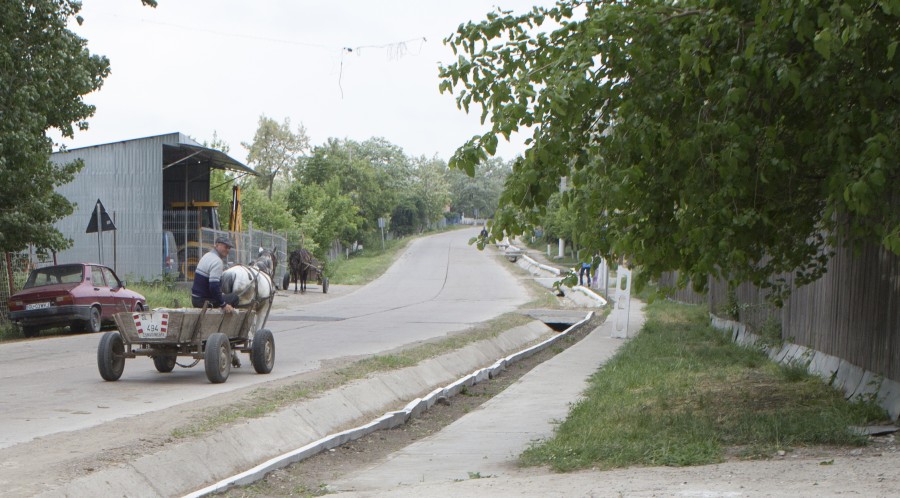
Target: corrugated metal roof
<point>174,154</point>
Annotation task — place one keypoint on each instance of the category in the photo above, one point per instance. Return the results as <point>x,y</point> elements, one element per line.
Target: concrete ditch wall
<point>853,381</point>
<point>307,428</point>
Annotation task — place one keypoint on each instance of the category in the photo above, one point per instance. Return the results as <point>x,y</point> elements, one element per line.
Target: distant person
<point>484,233</point>
<point>585,271</point>
<point>207,286</point>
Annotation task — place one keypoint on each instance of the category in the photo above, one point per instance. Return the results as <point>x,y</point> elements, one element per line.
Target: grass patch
<point>681,393</point>
<point>267,400</point>
<point>367,265</point>
<point>9,331</point>
<point>163,293</point>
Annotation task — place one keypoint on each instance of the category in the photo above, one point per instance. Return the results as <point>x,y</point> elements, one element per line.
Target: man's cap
<point>224,240</point>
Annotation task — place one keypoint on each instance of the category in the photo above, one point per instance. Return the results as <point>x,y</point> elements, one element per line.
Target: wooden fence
<point>852,312</point>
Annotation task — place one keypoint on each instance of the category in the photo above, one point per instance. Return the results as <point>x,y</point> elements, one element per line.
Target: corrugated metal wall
<point>127,178</point>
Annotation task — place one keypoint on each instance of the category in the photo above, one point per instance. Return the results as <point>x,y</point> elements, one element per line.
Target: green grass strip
<point>681,393</point>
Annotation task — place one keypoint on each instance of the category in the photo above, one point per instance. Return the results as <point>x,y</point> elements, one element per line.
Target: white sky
<point>199,66</point>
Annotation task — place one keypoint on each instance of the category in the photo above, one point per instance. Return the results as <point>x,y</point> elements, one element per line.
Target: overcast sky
<point>204,66</point>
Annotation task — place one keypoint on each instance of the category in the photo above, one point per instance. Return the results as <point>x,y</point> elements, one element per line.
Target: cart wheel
<point>285,282</point>
<point>262,353</point>
<point>218,358</point>
<point>111,356</point>
<point>164,364</point>
<point>325,285</point>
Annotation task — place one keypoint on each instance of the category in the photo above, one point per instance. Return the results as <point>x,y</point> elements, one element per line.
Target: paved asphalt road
<point>439,285</point>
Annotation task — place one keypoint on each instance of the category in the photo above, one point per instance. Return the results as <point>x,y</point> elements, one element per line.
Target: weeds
<point>680,393</point>
<point>366,266</point>
<point>267,400</point>
<point>165,293</point>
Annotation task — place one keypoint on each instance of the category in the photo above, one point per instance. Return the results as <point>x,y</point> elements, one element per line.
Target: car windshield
<point>65,274</point>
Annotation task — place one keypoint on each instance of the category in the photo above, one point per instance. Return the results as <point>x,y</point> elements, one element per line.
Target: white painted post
<point>623,302</point>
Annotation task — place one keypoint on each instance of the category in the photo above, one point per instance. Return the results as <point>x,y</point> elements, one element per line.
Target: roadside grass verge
<point>681,393</point>
<point>371,263</point>
<point>163,293</point>
<point>366,266</point>
<point>266,400</point>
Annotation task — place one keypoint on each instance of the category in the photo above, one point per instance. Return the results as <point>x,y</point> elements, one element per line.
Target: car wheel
<point>94,324</point>
<point>30,331</point>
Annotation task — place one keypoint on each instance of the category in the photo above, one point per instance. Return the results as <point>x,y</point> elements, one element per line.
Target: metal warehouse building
<point>136,181</point>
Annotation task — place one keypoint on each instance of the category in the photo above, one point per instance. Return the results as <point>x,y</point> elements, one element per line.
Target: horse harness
<point>253,272</point>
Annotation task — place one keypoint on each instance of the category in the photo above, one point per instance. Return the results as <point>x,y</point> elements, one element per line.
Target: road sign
<point>99,212</point>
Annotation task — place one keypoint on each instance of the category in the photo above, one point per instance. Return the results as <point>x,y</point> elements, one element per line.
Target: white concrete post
<point>623,302</point>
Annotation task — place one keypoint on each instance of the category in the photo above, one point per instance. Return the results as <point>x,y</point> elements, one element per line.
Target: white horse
<point>253,284</point>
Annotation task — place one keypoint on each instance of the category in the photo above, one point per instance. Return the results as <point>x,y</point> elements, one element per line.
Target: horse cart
<point>204,334</point>
<point>318,274</point>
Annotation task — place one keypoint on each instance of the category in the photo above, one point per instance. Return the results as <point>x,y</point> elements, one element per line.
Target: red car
<point>82,296</point>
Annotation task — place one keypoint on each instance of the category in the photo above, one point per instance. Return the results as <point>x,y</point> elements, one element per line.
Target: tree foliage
<point>346,168</point>
<point>477,196</point>
<point>45,70</point>
<point>266,213</point>
<point>428,184</point>
<point>734,138</point>
<point>275,150</point>
<point>324,214</point>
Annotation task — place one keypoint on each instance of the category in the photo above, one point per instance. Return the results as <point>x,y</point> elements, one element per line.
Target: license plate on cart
<point>151,325</point>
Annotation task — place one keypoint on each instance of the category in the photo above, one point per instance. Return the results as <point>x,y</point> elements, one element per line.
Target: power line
<point>241,35</point>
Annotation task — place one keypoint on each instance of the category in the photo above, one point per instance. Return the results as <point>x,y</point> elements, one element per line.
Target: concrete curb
<point>538,269</point>
<point>852,380</point>
<point>388,420</point>
<point>591,294</point>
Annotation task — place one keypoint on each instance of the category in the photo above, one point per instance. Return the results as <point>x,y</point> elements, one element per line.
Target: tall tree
<point>734,138</point>
<point>430,189</point>
<point>266,213</point>
<point>479,195</point>
<point>275,150</point>
<point>324,213</point>
<point>45,70</point>
<point>361,170</point>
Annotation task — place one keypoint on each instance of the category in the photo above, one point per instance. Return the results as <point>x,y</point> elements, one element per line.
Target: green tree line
<point>743,139</point>
<point>338,191</point>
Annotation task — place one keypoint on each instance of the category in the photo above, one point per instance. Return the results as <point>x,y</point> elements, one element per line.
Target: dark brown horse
<point>301,266</point>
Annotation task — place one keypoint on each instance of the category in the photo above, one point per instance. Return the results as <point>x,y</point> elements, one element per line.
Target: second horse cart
<point>165,335</point>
